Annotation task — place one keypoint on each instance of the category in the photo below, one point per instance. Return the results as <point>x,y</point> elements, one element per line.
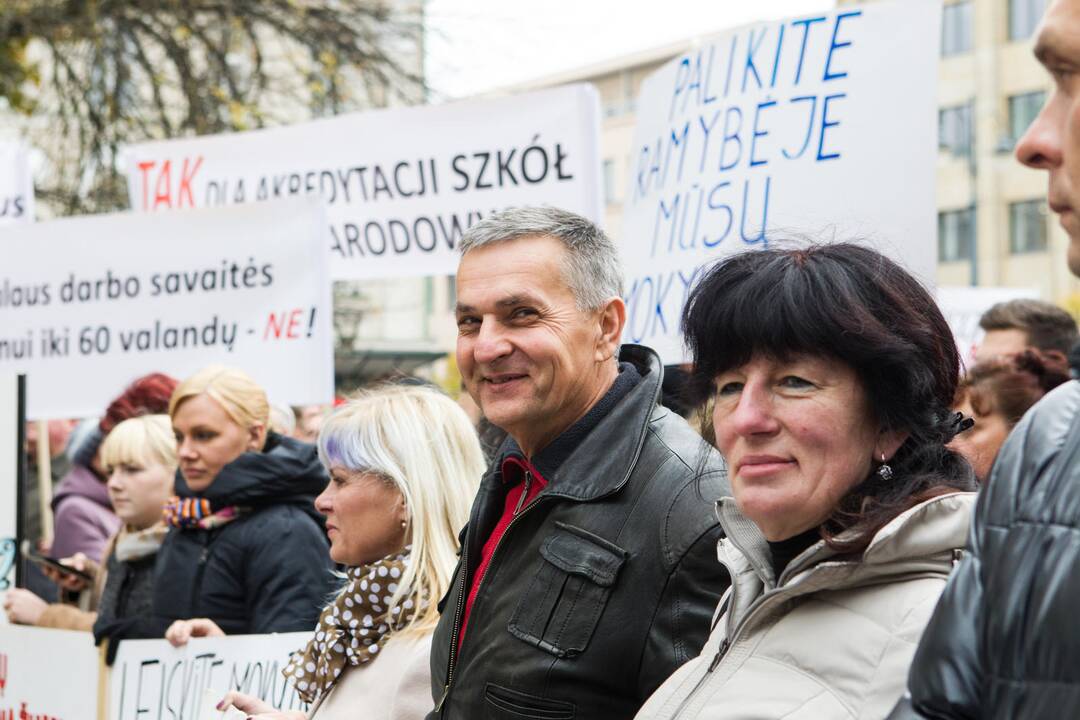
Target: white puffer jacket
<point>832,639</point>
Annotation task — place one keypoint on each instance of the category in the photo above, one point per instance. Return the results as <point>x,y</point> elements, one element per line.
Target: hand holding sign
<point>181,631</point>
<point>23,607</point>
<point>238,705</point>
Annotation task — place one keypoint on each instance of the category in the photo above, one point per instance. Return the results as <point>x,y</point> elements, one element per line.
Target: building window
<point>956,30</point>
<point>609,181</point>
<point>1024,15</point>
<point>955,129</point>
<point>956,234</point>
<point>1022,111</point>
<point>1027,227</point>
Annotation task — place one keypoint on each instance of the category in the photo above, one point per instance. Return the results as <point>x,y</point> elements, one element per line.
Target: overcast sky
<point>479,45</point>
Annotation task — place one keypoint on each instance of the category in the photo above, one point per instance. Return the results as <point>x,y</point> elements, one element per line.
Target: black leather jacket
<point>601,587</point>
<point>1003,642</point>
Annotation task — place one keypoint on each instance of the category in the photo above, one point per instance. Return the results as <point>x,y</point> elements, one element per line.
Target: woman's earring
<point>404,524</point>
<point>885,472</point>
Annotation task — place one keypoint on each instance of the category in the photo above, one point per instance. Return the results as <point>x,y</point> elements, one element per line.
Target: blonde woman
<point>246,551</point>
<point>139,457</point>
<point>404,463</point>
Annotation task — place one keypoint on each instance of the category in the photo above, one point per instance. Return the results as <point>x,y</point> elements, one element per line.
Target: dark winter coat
<point>602,586</point>
<point>267,571</point>
<point>1003,641</point>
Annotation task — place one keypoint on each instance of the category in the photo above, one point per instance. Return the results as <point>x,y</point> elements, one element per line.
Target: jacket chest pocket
<point>559,611</point>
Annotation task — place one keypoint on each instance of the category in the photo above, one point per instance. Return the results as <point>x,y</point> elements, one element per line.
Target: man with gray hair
<point>588,569</point>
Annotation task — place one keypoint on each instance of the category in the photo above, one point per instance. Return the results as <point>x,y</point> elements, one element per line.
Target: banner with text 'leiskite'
<point>89,304</point>
<point>400,185</point>
<point>819,127</point>
<point>152,679</point>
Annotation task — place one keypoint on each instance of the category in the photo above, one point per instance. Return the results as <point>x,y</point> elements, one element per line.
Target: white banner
<point>963,306</point>
<point>821,126</point>
<point>16,184</point>
<point>400,185</point>
<point>89,304</point>
<point>48,674</point>
<point>152,680</point>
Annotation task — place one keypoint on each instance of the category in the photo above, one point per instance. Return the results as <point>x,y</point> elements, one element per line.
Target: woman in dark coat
<point>246,551</point>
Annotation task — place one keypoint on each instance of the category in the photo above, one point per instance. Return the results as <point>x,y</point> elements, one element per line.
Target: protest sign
<point>11,423</point>
<point>400,185</point>
<point>152,680</point>
<point>16,184</point>
<point>821,126</point>
<point>963,306</point>
<point>89,304</point>
<point>47,674</point>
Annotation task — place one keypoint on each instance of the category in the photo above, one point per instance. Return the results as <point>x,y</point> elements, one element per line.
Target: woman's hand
<point>183,630</point>
<point>78,561</point>
<point>256,709</point>
<point>23,607</point>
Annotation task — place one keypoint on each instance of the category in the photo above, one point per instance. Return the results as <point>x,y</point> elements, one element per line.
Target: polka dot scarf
<point>353,628</point>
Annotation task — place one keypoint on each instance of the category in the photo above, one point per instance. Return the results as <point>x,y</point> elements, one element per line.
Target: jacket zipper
<point>724,645</point>
<point>519,511</point>
<point>728,640</point>
<point>197,585</point>
<point>524,494</point>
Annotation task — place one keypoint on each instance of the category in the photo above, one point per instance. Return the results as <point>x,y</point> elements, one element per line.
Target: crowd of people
<point>864,527</point>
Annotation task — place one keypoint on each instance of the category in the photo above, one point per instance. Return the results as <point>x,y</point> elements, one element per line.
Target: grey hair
<point>592,269</point>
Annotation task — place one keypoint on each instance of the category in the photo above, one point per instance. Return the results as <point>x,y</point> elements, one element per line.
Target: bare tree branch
<point>93,75</point>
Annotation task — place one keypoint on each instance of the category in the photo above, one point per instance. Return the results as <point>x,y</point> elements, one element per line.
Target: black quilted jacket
<point>1004,641</point>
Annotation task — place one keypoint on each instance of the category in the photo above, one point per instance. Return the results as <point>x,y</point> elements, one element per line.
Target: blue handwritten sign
<point>781,130</point>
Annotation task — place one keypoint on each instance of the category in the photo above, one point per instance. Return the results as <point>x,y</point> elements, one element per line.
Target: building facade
<point>994,227</point>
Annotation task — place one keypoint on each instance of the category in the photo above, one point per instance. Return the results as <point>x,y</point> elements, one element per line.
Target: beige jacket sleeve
<point>67,617</point>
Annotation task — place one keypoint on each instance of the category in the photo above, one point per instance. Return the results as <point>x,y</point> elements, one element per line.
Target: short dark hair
<point>1048,327</point>
<point>848,302</point>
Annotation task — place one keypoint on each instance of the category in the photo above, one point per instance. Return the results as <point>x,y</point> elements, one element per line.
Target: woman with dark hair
<point>834,374</point>
<point>996,393</point>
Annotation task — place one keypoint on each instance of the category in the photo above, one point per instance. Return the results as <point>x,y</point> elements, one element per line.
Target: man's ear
<point>611,319</point>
